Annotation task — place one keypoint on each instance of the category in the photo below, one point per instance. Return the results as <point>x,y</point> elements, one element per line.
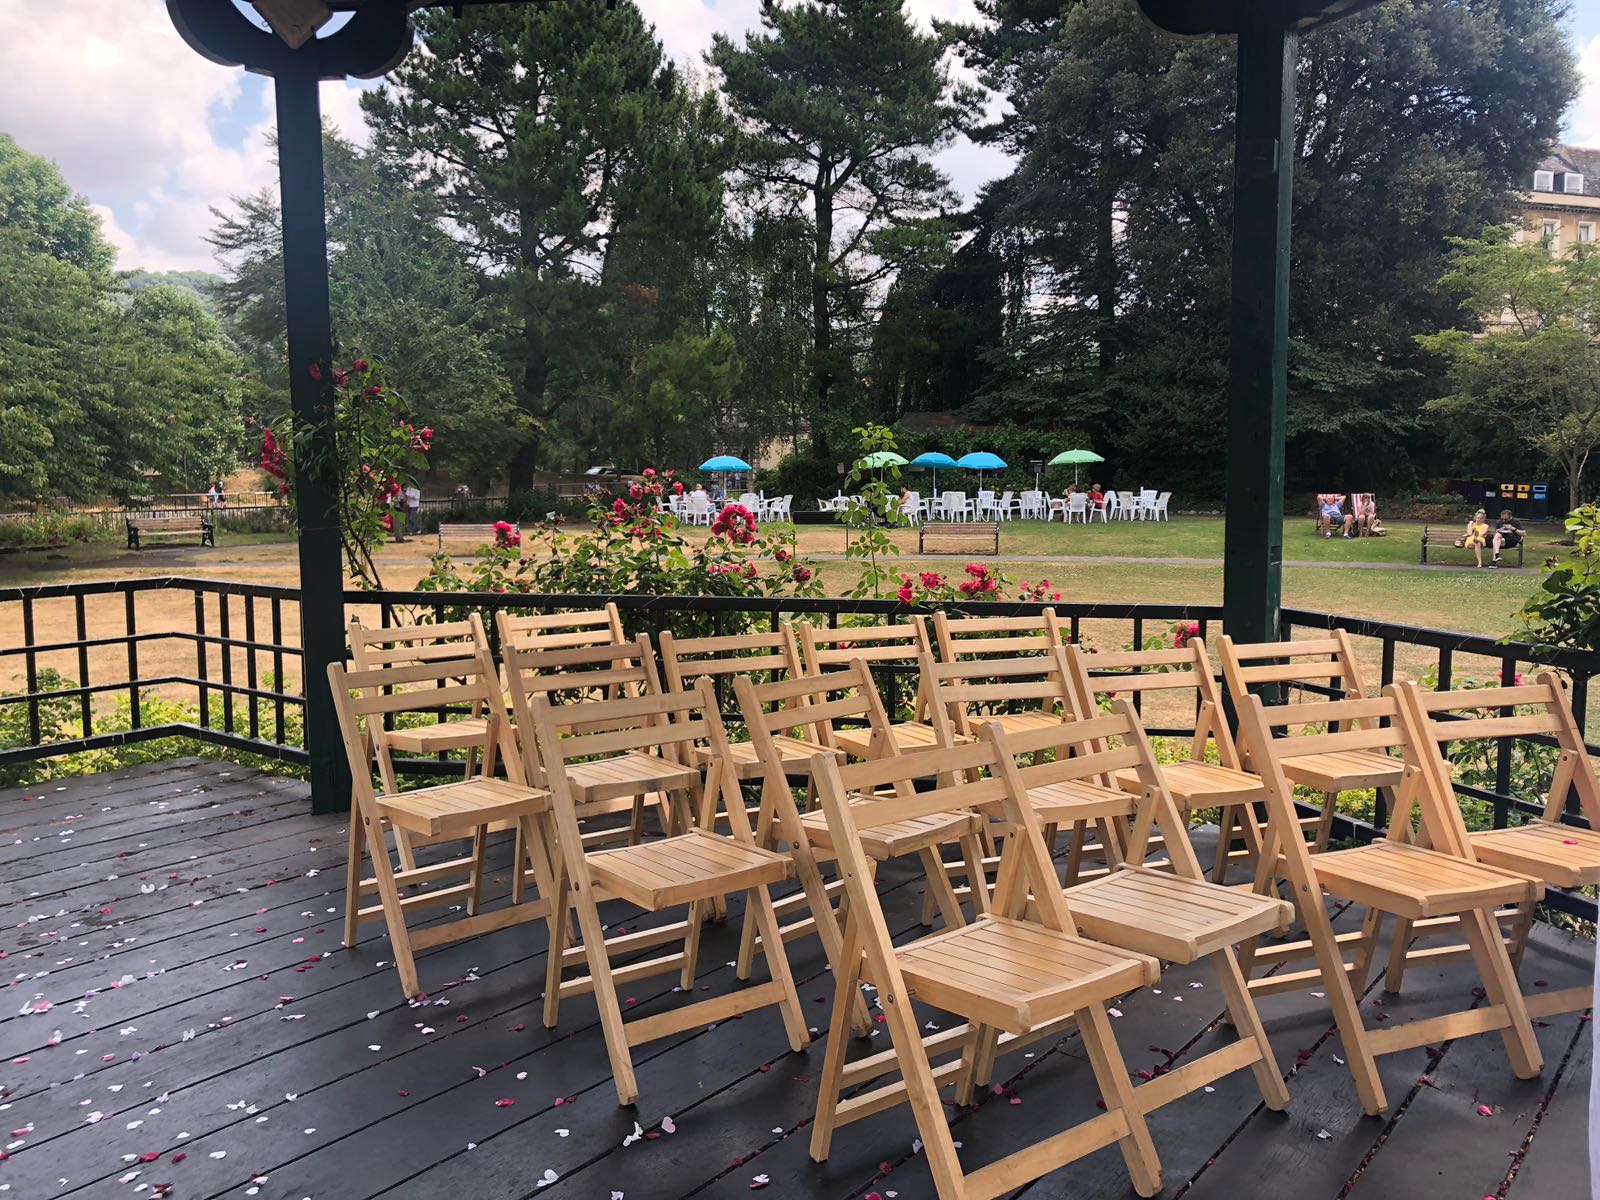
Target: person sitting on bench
<point>1508,536</point>
<point>1477,535</point>
<point>1330,509</point>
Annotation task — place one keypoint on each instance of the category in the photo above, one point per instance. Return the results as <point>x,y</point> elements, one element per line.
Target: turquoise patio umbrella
<point>1075,458</point>
<point>933,460</point>
<point>722,464</point>
<point>883,458</point>
<point>981,461</point>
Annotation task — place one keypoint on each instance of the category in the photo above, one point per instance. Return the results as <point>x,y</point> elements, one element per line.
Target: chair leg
<point>480,857</point>
<point>977,880</point>
<point>846,997</point>
<point>939,887</point>
<point>1500,983</point>
<point>777,957</point>
<point>355,851</point>
<point>1246,1021</point>
<point>1521,930</point>
<point>691,945</point>
<point>559,924</point>
<point>1395,975</point>
<point>605,993</point>
<point>1330,809</point>
<point>1111,1073</point>
<point>393,914</point>
<point>1225,822</point>
<point>1367,949</point>
<point>1075,851</point>
<point>1342,1000</point>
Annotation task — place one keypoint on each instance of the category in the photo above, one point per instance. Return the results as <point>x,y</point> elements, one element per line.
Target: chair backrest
<point>1147,494</point>
<point>1091,749</point>
<point>1538,709</point>
<point>1324,663</point>
<point>408,645</point>
<point>596,729</point>
<point>1005,497</point>
<point>384,691</point>
<point>684,660</point>
<point>556,631</point>
<point>963,786</point>
<point>824,648</point>
<point>750,500</point>
<point>1161,500</point>
<point>699,503</point>
<point>956,688</point>
<point>1273,734</point>
<point>1078,502</point>
<point>1141,672</point>
<point>1125,497</point>
<point>997,637</point>
<point>985,496</point>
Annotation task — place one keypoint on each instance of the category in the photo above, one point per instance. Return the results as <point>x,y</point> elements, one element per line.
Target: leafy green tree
<point>401,289</point>
<point>843,101</point>
<point>1529,366</point>
<point>37,204</point>
<point>547,131</point>
<point>1415,123</point>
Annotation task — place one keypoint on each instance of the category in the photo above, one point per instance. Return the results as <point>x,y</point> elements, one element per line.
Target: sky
<point>157,136</point>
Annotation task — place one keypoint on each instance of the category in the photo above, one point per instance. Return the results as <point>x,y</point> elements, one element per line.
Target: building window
<point>1586,232</point>
<point>1544,181</point>
<point>1552,235</point>
<point>1572,183</point>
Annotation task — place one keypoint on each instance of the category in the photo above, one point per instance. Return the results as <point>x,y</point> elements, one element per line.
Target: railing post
<point>130,617</point>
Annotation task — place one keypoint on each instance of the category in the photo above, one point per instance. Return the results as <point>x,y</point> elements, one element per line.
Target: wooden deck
<point>181,921</point>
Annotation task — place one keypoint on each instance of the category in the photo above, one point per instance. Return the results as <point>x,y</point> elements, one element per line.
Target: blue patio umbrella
<point>981,461</point>
<point>934,460</point>
<point>722,464</point>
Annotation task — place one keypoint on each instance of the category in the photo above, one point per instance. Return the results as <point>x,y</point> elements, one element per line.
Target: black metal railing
<point>87,666</point>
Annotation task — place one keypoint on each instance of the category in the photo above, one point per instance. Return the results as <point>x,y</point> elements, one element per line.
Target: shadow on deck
<point>179,995</point>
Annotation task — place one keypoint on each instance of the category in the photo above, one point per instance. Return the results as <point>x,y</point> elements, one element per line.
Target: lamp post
<point>374,40</point>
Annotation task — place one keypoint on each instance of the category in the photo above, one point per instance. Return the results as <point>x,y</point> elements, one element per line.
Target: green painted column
<point>1252,589</point>
<point>310,324</point>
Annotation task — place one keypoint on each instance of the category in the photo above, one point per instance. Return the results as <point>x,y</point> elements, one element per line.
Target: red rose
<point>340,378</point>
<point>316,372</point>
<point>802,575</point>
<point>361,365</point>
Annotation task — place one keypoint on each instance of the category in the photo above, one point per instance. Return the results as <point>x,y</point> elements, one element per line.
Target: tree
<point>843,100</point>
<point>1530,367</point>
<point>51,218</point>
<point>1415,121</point>
<point>544,129</point>
<point>402,292</point>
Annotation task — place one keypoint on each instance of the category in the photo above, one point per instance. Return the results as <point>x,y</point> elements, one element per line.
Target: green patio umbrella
<point>883,458</point>
<point>1076,458</point>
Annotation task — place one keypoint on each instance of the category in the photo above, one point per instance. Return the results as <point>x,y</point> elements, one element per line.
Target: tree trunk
<point>821,327</point>
<point>531,399</point>
<point>1106,258</point>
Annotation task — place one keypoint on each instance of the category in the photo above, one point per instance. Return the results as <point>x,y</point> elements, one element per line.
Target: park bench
<point>1437,543</point>
<point>958,537</point>
<point>478,535</point>
<point>140,528</point>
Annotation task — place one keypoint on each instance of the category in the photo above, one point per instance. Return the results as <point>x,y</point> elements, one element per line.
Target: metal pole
<point>1252,588</point>
<point>305,295</point>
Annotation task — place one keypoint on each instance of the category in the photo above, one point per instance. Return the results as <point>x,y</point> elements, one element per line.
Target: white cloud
<point>1583,119</point>
<point>121,103</point>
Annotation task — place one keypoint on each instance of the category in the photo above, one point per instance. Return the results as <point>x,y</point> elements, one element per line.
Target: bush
<point>51,529</point>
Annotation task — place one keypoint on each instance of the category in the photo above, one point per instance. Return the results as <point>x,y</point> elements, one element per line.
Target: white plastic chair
<point>1127,506</point>
<point>911,508</point>
<point>1078,507</point>
<point>956,506</point>
<point>1158,507</point>
<point>984,505</point>
<point>1032,504</point>
<point>1006,507</point>
<point>1147,503</point>
<point>1103,510</point>
<point>1055,506</point>
<point>699,508</point>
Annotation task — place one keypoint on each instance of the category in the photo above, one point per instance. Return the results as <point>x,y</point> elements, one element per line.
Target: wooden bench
<point>1447,541</point>
<point>170,527</point>
<point>479,534</point>
<point>956,537</point>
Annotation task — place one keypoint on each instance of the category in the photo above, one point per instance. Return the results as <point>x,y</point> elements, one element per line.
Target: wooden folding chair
<point>467,808</point>
<point>810,705</point>
<point>974,638</point>
<point>1558,854</point>
<point>1008,975</point>
<point>690,868</point>
<point>1327,664</point>
<point>1174,914</point>
<point>621,783</point>
<point>775,654</point>
<point>413,645</point>
<point>962,696</point>
<point>1196,782</point>
<point>1394,875</point>
<point>827,649</point>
